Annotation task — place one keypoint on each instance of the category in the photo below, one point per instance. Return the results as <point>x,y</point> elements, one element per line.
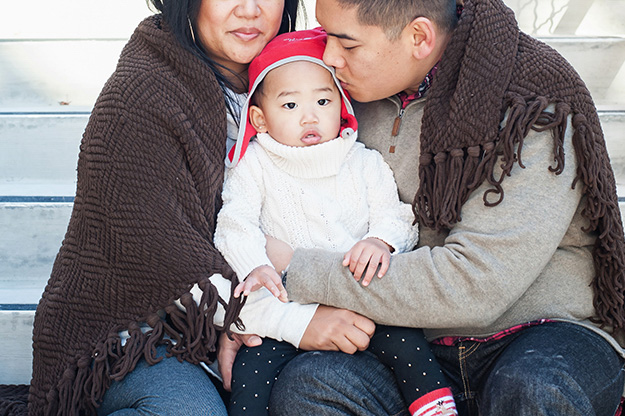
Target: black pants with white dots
<point>404,350</point>
<point>407,353</point>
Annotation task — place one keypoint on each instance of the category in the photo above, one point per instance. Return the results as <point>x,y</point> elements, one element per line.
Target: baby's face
<point>300,105</point>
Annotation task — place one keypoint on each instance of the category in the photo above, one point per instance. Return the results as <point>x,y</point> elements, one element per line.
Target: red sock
<point>436,403</point>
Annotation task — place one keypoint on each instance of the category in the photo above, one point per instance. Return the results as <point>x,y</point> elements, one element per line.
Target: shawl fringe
<point>459,172</point>
<point>489,66</point>
<point>188,335</point>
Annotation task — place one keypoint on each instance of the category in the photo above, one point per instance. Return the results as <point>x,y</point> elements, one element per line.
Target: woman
<point>150,174</point>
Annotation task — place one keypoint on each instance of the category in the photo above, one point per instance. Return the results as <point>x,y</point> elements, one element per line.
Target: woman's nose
<point>247,9</point>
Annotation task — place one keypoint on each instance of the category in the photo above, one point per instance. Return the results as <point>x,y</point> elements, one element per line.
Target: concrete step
<point>16,341</point>
<point>55,75</point>
<point>613,124</point>
<point>39,153</point>
<point>67,75</point>
<point>32,233</point>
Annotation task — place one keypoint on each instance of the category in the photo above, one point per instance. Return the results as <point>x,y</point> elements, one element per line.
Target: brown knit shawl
<point>490,68</point>
<point>150,174</point>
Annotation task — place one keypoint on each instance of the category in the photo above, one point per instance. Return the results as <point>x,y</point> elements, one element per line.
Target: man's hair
<point>393,15</point>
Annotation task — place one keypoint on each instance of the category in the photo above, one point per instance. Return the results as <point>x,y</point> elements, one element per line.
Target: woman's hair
<point>181,14</point>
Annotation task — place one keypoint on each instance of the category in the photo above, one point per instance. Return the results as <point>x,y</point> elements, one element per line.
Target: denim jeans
<point>549,369</point>
<point>167,388</point>
<point>324,383</point>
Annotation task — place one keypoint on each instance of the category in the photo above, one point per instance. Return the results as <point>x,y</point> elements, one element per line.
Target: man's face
<point>368,64</point>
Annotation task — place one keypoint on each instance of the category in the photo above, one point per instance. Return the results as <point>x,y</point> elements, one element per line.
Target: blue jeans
<point>550,369</point>
<point>167,388</point>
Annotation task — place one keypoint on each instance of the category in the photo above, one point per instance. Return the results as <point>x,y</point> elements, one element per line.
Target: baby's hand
<point>262,276</point>
<point>368,253</point>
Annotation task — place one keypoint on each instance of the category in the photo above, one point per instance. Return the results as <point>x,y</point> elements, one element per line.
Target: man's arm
<point>488,260</point>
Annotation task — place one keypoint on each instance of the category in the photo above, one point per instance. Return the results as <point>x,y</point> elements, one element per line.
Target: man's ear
<point>423,37</point>
<point>257,118</point>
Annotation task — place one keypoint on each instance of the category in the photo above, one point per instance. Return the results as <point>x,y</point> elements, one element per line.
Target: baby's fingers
<point>237,290</point>
<point>372,266</point>
<point>384,265</point>
<point>347,258</point>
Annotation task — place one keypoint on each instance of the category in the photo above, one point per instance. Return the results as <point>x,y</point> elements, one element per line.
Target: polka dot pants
<point>407,353</point>
<point>254,371</point>
<point>404,350</point>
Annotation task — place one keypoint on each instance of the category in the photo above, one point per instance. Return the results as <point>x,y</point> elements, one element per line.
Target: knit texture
<point>13,399</point>
<point>490,69</point>
<point>150,174</point>
<point>309,197</point>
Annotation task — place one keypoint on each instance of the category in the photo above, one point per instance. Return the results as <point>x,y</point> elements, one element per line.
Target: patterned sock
<point>436,403</point>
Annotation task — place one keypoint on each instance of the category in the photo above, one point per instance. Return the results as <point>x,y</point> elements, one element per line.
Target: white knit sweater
<point>321,196</point>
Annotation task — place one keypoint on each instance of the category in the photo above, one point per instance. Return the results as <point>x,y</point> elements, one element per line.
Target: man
<point>519,275</point>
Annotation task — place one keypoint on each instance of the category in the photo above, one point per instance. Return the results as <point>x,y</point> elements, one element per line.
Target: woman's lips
<point>246,33</point>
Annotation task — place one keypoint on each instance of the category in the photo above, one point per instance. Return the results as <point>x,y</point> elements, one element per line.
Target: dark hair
<point>393,15</point>
<point>178,14</point>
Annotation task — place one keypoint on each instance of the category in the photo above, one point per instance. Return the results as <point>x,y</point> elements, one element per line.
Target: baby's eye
<point>323,102</point>
<point>289,106</point>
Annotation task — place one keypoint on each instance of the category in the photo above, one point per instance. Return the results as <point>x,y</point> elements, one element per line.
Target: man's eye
<point>289,106</point>
<point>323,102</point>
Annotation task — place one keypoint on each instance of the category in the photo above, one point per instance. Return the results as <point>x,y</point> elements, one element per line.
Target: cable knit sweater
<point>320,196</point>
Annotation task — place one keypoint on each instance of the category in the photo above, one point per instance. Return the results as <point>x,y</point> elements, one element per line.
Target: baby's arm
<point>370,255</point>
<point>238,234</point>
<point>262,276</point>
<point>391,228</point>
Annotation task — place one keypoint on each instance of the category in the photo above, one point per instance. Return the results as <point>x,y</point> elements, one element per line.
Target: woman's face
<point>233,32</point>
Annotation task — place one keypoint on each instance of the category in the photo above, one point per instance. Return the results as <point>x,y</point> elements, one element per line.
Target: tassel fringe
<point>189,336</point>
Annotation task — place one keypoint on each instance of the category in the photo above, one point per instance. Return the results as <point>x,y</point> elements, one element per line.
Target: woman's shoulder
<point>154,67</point>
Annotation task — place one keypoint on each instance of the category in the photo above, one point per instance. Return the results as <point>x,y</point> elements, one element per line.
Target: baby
<point>305,180</point>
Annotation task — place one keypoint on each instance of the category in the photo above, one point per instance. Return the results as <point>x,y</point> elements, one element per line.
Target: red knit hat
<point>303,45</point>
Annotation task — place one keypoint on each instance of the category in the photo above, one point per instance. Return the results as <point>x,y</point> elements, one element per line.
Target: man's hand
<point>334,329</point>
<point>227,352</point>
<point>262,276</point>
<point>279,253</point>
<point>368,254</point>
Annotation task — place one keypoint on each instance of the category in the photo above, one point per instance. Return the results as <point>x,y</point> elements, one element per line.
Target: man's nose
<point>332,56</point>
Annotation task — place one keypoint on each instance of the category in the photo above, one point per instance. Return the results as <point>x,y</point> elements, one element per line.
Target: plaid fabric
<point>450,341</point>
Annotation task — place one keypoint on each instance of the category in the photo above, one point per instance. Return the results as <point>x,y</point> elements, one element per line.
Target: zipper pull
<point>395,131</point>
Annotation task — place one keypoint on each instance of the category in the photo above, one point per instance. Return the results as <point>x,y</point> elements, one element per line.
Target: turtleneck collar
<point>318,161</point>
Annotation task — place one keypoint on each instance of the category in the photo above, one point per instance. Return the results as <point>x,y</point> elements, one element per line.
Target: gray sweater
<point>522,260</point>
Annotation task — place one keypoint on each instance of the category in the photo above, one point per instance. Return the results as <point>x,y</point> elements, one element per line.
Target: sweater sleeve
<point>263,314</point>
<point>240,239</point>
<point>238,235</point>
<point>485,265</point>
<point>390,220</point>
